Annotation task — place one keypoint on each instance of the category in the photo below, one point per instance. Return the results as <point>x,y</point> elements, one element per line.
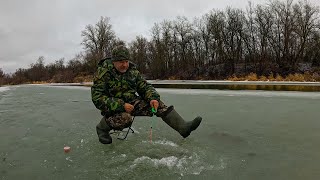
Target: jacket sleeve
<point>100,95</point>
<point>146,90</point>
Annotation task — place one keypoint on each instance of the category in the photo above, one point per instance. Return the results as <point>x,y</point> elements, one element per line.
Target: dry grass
<point>81,79</point>
<point>279,78</point>
<point>38,82</point>
<point>263,78</point>
<point>271,77</point>
<point>235,78</point>
<point>307,77</point>
<point>252,77</point>
<point>173,78</point>
<point>295,77</point>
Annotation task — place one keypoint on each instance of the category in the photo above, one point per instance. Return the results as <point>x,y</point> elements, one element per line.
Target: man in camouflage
<point>120,92</point>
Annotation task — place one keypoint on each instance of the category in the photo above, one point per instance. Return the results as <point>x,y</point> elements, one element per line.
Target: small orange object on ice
<point>66,149</point>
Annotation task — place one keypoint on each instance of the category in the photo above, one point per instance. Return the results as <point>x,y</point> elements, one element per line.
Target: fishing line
<point>154,111</point>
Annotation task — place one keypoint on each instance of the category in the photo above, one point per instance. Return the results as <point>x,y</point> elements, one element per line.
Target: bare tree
<point>156,64</point>
<point>199,39</point>
<point>167,45</point>
<point>249,37</point>
<point>306,20</point>
<point>233,34</point>
<point>283,38</point>
<point>1,73</point>
<point>98,40</point>
<point>37,71</point>
<point>139,53</point>
<point>183,29</point>
<point>1,77</point>
<point>216,25</point>
<point>264,22</point>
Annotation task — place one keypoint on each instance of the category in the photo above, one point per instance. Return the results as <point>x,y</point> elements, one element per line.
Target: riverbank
<point>224,85</point>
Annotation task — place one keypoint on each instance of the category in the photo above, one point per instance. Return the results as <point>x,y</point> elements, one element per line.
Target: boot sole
<point>105,142</point>
<point>198,120</point>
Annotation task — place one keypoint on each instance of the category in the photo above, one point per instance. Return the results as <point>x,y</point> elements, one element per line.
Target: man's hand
<point>128,107</point>
<point>154,104</point>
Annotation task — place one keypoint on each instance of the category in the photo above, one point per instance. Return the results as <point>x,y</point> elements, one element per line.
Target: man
<point>120,92</point>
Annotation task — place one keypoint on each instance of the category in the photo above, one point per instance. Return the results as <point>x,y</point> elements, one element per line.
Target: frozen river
<point>244,135</point>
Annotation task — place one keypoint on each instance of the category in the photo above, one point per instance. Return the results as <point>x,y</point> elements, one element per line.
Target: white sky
<point>52,28</point>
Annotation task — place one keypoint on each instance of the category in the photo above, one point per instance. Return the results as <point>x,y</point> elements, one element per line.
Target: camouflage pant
<point>141,108</point>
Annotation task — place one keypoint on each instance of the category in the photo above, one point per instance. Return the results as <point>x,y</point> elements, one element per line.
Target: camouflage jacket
<point>112,89</point>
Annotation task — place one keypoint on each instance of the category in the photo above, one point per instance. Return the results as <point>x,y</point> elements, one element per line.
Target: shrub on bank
<point>314,77</point>
<point>295,77</point>
<point>81,79</point>
<point>252,77</point>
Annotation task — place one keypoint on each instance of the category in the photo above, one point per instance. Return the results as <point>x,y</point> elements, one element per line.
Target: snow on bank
<point>5,88</point>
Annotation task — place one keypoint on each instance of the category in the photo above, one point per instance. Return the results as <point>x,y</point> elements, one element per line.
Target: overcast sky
<point>52,28</point>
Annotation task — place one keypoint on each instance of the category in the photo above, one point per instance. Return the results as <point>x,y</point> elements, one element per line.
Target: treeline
<point>278,38</point>
<point>53,72</point>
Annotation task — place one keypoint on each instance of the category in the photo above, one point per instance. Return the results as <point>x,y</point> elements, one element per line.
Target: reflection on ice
<point>2,89</point>
<point>69,87</point>
<point>5,110</point>
<point>313,95</point>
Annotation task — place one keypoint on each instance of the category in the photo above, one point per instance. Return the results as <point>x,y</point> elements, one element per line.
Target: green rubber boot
<point>174,120</point>
<point>103,132</point>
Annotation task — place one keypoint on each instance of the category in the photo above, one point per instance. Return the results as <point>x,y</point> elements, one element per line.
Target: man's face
<point>121,66</point>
